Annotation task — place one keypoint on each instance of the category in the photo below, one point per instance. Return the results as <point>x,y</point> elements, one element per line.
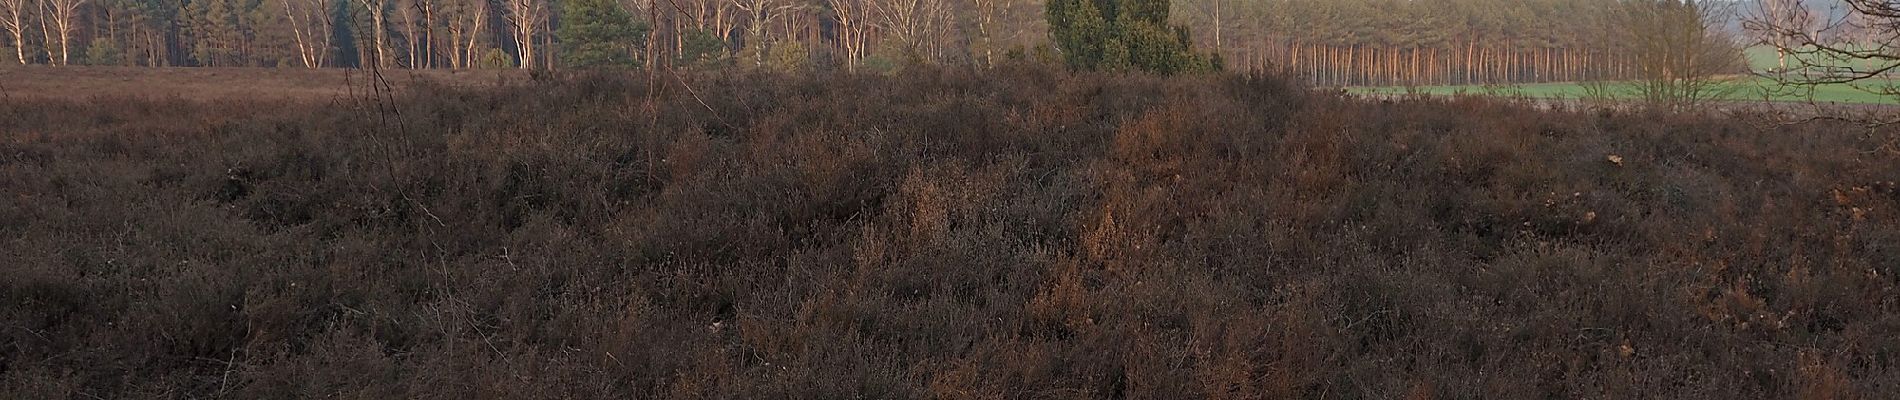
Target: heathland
<point>1018,233</point>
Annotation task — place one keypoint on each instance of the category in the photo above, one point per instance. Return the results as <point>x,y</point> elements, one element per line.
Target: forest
<point>1329,42</point>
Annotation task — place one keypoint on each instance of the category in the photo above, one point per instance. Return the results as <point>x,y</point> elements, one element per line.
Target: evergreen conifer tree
<point>598,33</point>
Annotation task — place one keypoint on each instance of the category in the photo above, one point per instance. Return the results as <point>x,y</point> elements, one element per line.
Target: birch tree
<point>379,28</point>
<point>46,33</point>
<point>853,30</point>
<point>910,24</point>
<point>715,16</point>
<point>1783,14</point>
<point>526,17</point>
<point>986,14</point>
<point>465,19</point>
<point>1217,19</point>
<point>418,29</point>
<point>65,15</point>
<point>13,18</point>
<point>310,26</point>
<point>1815,60</point>
<point>760,14</point>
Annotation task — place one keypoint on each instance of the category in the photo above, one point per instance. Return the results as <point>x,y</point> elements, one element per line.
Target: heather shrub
<point>1028,233</point>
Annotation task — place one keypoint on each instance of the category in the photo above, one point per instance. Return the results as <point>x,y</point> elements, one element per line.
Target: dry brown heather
<point>1024,234</point>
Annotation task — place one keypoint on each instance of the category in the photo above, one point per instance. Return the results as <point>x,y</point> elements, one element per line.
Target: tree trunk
<point>16,26</point>
<point>382,37</point>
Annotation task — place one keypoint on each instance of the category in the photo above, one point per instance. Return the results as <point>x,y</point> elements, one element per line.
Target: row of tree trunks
<point>475,33</point>
<point>1473,63</point>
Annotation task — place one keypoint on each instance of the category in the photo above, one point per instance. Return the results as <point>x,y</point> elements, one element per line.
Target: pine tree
<point>1115,35</point>
<point>598,33</point>
<point>343,37</point>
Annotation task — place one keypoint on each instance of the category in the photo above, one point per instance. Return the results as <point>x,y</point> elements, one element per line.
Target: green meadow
<point>1764,58</point>
<point>1745,88</point>
<point>1737,88</point>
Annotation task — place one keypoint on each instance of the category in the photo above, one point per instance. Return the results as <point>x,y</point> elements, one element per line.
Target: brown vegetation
<point>1027,234</point>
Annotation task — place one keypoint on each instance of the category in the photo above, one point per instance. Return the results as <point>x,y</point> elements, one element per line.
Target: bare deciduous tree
<point>13,18</point>
<point>1217,19</point>
<point>912,24</point>
<point>711,16</point>
<point>465,21</point>
<point>1819,52</point>
<point>1678,52</point>
<point>1790,14</point>
<point>46,33</point>
<point>418,29</point>
<point>759,15</point>
<point>986,14</point>
<point>379,28</point>
<point>527,17</point>
<point>65,15</point>
<point>310,26</point>
<point>854,32</point>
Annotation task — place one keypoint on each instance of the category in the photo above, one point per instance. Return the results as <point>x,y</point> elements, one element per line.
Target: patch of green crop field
<point>1738,89</point>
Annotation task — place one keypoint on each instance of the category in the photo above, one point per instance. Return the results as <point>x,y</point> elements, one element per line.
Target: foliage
<point>704,49</point>
<point>1119,35</point>
<point>1045,54</point>
<point>343,37</point>
<point>598,33</point>
<point>788,57</point>
<point>496,58</point>
<point>103,52</point>
<point>882,63</point>
<point>1477,41</point>
<point>215,25</point>
<point>940,234</point>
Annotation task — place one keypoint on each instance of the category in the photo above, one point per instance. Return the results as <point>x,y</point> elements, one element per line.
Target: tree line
<point>1327,42</point>
<point>518,33</point>
<point>1426,42</point>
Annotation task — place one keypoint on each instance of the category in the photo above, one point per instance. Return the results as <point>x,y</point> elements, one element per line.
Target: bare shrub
<point>1022,234</point>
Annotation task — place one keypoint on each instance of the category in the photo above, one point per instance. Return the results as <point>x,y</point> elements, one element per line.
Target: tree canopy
<point>1327,42</point>
<point>1117,35</point>
<point>598,33</point>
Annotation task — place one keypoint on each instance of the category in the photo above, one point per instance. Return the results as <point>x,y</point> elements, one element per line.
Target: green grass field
<point>1741,88</point>
<point>1764,58</point>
